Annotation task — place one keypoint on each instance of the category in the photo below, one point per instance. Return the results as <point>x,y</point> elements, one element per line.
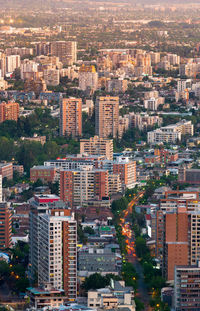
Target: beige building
<point>97,146</point>
<point>107,116</point>
<point>65,50</point>
<point>171,133</point>
<point>52,77</point>
<point>88,78</point>
<point>114,184</point>
<point>115,296</point>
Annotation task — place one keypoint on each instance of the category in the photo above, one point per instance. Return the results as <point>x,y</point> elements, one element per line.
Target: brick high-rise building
<point>178,231</point>
<point>81,185</point>
<point>107,116</point>
<point>6,170</point>
<point>65,50</point>
<point>71,117</point>
<point>126,170</point>
<point>53,242</point>
<point>5,226</point>
<point>9,111</point>
<point>97,146</point>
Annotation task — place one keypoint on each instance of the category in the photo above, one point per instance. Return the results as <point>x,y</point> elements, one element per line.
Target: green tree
<point>95,281</point>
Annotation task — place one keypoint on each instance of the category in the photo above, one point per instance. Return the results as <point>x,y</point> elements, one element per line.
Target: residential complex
<point>65,50</point>
<point>9,111</point>
<point>57,262</point>
<point>97,146</point>
<point>6,170</point>
<point>53,244</point>
<point>71,117</point>
<point>171,133</point>
<point>177,230</point>
<point>88,78</point>
<point>107,116</point>
<point>186,286</point>
<point>80,185</point>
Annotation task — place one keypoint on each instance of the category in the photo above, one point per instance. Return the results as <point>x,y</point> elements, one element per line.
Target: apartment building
<point>116,86</point>
<point>6,170</point>
<point>46,295</point>
<point>53,244</point>
<point>186,288</point>
<point>177,230</point>
<point>165,155</point>
<point>44,173</point>
<point>5,226</point>
<point>71,117</point>
<point>122,166</point>
<point>52,77</point>
<point>190,176</point>
<point>57,260</point>
<point>79,186</point>
<point>12,62</point>
<point>171,133</point>
<point>9,111</point>
<point>107,116</point>
<point>74,162</point>
<point>88,78</point>
<point>153,103</point>
<point>42,48</point>
<point>28,68</point>
<point>39,204</point>
<point>97,146</point>
<point>126,170</point>
<point>19,51</point>
<point>116,296</point>
<point>115,184</point>
<point>65,50</point>
<point>143,121</point>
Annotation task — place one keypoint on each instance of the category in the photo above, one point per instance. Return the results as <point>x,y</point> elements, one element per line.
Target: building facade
<point>5,226</point>
<point>71,117</point>
<point>9,111</point>
<point>97,146</point>
<point>107,116</point>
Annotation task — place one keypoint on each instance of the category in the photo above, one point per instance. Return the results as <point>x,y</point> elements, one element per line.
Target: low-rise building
<point>46,296</point>
<point>102,261</point>
<point>116,296</point>
<point>44,173</point>
<point>6,170</point>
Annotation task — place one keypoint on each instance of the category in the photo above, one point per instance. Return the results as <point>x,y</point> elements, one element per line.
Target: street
<point>131,256</point>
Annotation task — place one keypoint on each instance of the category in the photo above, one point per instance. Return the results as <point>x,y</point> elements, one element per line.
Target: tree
<point>89,230</point>
<point>141,247</point>
<point>95,281</point>
<point>4,270</point>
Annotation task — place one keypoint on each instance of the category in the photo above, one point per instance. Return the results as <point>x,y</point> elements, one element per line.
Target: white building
<point>158,136</point>
<point>153,103</point>
<point>57,252</point>
<point>88,78</point>
<point>171,133</point>
<point>12,62</point>
<point>27,67</point>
